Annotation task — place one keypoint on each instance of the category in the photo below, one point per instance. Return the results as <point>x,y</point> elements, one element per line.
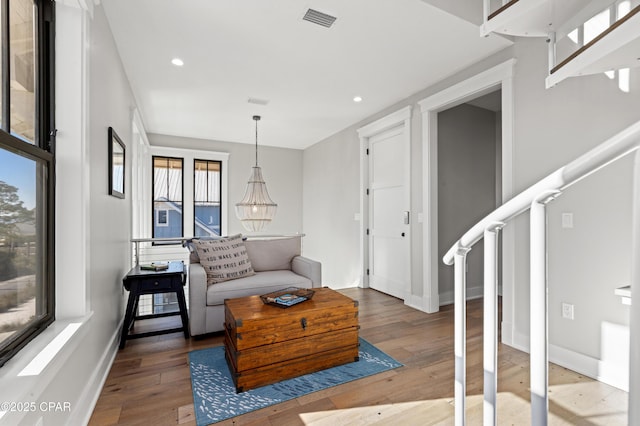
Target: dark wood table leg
<point>136,301</point>
<point>183,311</point>
<point>128,318</point>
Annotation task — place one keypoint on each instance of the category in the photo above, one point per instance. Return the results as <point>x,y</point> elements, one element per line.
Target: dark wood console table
<point>140,281</point>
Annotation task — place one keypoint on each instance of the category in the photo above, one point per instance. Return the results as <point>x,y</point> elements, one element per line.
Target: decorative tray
<point>287,297</point>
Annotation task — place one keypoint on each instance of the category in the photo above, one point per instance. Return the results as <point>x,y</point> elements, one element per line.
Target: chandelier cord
<point>256,118</point>
<point>256,209</point>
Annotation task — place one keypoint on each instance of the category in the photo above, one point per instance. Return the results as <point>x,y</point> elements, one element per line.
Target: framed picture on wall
<point>116,164</point>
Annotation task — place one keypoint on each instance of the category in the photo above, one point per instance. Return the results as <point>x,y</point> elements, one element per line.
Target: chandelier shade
<point>256,209</point>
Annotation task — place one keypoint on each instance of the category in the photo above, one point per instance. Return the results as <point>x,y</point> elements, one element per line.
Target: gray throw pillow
<point>224,259</point>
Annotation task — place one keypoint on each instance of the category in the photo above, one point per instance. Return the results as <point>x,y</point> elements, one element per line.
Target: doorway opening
<point>499,77</point>
<point>469,146</point>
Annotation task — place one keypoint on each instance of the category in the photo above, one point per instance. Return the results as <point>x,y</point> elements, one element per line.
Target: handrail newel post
<point>460,333</point>
<point>490,324</point>
<point>539,337</point>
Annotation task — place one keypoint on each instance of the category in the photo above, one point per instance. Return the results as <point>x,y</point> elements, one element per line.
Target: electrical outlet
<point>567,310</point>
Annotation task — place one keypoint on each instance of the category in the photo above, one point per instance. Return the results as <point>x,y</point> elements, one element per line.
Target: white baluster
<point>490,324</point>
<point>460,333</point>
<point>634,323</point>
<point>551,50</point>
<point>538,310</point>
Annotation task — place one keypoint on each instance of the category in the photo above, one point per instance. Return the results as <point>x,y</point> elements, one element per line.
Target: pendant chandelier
<point>256,209</point>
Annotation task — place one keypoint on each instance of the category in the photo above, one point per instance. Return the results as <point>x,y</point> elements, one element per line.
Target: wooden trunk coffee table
<point>265,344</point>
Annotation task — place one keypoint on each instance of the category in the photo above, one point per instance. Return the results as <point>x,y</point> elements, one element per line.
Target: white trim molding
<point>607,370</point>
<point>394,119</point>
<point>402,117</point>
<point>500,76</point>
<point>72,163</point>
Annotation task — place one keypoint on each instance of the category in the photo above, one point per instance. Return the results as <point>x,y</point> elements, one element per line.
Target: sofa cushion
<point>273,254</point>
<point>190,245</point>
<point>260,283</point>
<point>224,259</point>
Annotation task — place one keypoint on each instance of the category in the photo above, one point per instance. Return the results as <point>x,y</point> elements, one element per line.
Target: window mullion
<point>6,81</point>
<point>45,83</point>
<point>207,180</point>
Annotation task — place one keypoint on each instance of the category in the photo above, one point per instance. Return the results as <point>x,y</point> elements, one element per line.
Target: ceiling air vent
<point>319,18</point>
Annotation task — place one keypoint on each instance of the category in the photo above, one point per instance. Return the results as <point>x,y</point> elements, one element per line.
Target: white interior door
<point>389,247</point>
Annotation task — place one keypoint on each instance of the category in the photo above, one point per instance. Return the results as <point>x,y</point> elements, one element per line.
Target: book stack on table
<point>154,266</point>
<point>289,299</point>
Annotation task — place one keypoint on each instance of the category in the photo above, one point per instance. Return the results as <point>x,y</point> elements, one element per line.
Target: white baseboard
<point>420,303</point>
<point>507,334</point>
<point>474,292</point>
<point>93,388</point>
<point>334,286</point>
<point>611,372</point>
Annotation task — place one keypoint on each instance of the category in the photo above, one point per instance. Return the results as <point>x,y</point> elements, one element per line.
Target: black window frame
<point>153,199</point>
<point>42,150</point>
<point>220,165</point>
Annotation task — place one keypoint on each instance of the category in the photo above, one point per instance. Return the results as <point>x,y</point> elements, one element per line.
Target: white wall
<point>551,128</point>
<point>93,228</point>
<point>281,169</point>
<point>331,191</point>
<point>330,202</point>
<point>587,262</point>
<point>469,10</point>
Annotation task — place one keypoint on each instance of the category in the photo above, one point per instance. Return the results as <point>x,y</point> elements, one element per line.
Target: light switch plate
<point>567,220</point>
<point>567,310</point>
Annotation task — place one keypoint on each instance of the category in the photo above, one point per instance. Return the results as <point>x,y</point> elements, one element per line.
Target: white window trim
<point>188,156</point>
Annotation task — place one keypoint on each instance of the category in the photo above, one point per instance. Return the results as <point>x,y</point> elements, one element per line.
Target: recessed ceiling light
<point>177,62</point>
<point>357,99</point>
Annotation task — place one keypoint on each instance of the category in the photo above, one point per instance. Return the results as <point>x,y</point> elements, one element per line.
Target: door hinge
<point>367,231</point>
<point>367,191</point>
<point>367,271</point>
<point>367,151</point>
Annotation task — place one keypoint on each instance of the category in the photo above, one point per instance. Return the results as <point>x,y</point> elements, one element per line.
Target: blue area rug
<point>215,398</point>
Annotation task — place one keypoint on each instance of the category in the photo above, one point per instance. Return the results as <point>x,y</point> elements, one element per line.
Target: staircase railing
<point>573,39</point>
<point>535,199</point>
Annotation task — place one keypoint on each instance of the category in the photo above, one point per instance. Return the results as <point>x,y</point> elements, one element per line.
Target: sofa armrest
<point>197,299</point>
<point>308,268</point>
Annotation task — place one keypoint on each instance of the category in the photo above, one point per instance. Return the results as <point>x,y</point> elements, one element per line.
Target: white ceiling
<point>233,50</point>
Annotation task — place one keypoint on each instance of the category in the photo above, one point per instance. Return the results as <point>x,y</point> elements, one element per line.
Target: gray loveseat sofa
<point>277,264</point>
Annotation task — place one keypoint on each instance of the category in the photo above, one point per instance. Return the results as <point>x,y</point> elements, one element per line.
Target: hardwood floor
<point>149,382</point>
